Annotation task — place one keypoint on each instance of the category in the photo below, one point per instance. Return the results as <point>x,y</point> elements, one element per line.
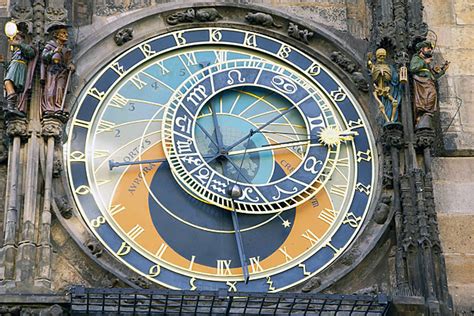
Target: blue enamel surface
<point>159,91</point>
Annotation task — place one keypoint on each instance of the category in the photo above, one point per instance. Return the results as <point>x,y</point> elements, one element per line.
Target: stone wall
<point>453,22</point>
<point>343,15</point>
<point>453,180</point>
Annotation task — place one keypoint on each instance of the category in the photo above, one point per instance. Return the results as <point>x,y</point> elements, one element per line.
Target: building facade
<point>367,192</point>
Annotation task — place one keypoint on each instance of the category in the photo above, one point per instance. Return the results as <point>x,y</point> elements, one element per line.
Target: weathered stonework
<point>453,21</point>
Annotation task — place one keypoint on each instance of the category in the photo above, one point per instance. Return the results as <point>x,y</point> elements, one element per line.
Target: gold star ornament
<point>333,136</point>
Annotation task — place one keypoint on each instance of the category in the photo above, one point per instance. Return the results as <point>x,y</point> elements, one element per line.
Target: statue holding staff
<point>56,69</point>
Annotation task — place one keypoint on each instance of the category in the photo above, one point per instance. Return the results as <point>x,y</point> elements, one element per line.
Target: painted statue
<point>387,87</point>
<point>18,75</point>
<point>56,69</point>
<point>425,76</point>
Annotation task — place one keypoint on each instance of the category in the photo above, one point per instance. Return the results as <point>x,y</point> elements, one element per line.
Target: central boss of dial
<point>276,164</point>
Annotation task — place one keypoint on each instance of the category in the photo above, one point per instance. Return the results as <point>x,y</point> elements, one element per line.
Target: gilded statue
<point>386,83</point>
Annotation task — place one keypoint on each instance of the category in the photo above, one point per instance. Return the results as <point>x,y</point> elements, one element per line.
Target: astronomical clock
<point>214,157</point>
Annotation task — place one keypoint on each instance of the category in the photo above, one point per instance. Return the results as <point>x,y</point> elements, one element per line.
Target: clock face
<point>204,113</point>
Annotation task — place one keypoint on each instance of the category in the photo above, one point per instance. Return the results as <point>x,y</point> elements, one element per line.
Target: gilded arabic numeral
<point>352,220</point>
<point>363,188</point>
<point>99,95</point>
<point>329,216</point>
<point>364,155</point>
<point>83,190</point>
<point>77,156</point>
<point>117,68</point>
<point>355,124</point>
<point>223,267</point>
<point>255,264</point>
<point>314,69</point>
<point>124,249</point>
<point>336,250</point>
<point>303,266</point>
<point>250,40</point>
<point>338,95</point>
<point>154,271</point>
<point>179,38</point>
<point>147,51</point>
<point>215,35</point>
<point>98,221</point>
<point>284,51</point>
<point>270,284</point>
<point>232,286</point>
<point>192,285</point>
<point>81,123</point>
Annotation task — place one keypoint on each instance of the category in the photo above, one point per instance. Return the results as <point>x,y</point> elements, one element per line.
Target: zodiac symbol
<point>238,77</point>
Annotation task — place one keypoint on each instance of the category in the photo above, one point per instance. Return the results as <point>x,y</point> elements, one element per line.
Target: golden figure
<point>387,90</point>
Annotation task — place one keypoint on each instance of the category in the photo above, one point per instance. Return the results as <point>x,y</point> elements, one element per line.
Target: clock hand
<point>234,192</point>
<point>114,164</point>
<point>224,153</point>
<point>260,128</point>
<point>346,133</point>
<point>207,134</point>
<point>220,144</point>
<point>239,171</point>
<point>273,146</point>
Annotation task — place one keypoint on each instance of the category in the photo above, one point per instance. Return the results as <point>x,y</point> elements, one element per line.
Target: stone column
<point>51,131</point>
<point>26,256</point>
<point>16,130</point>
<point>393,141</point>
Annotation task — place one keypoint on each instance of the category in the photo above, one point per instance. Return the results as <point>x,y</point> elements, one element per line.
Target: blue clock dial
<point>200,110</point>
<point>194,170</point>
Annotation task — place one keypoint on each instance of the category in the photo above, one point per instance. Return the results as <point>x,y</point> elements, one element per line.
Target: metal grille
<point>142,301</point>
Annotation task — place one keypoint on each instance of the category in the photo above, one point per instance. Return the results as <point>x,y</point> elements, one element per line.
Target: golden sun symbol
<point>333,136</point>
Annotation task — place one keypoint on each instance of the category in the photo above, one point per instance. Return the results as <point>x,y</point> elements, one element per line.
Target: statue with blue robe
<point>387,88</point>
